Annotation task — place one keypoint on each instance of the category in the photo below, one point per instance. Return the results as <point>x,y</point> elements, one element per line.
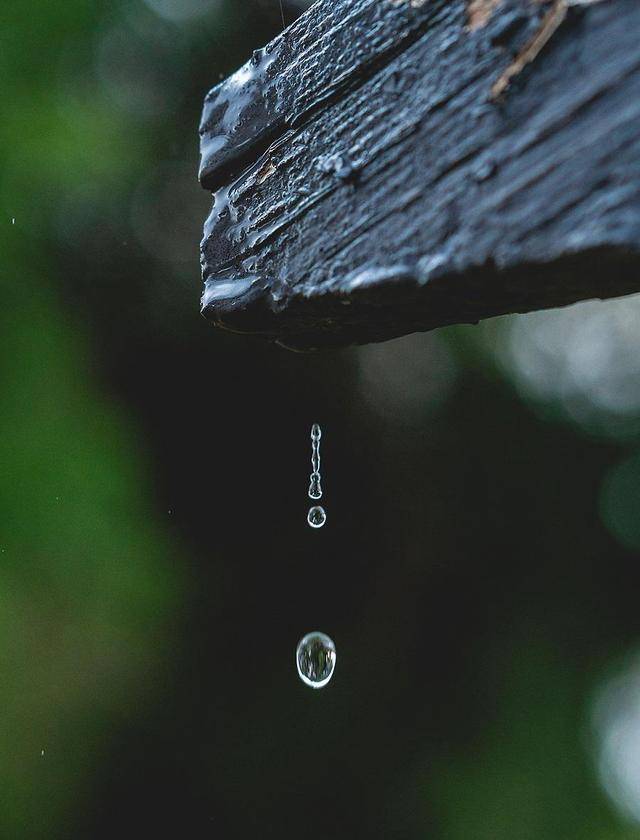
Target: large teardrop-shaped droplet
<point>316,517</point>
<point>316,432</point>
<point>315,659</point>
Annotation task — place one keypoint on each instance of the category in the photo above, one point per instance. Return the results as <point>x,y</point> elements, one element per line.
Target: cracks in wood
<point>266,171</point>
<point>415,4</point>
<point>461,210</point>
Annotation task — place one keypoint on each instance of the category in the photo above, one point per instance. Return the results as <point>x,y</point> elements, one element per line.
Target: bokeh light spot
<point>619,502</point>
<point>584,359</point>
<point>182,10</point>
<point>616,715</point>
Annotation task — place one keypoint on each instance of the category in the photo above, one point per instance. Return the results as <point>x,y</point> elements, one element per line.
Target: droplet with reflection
<point>316,516</point>
<point>316,659</point>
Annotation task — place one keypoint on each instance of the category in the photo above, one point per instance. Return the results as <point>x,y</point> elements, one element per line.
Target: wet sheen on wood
<point>388,166</point>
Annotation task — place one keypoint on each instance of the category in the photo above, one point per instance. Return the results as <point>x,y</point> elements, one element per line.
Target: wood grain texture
<point>373,176</point>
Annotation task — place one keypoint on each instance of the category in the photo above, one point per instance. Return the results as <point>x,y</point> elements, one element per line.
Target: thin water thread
<point>284,25</point>
<point>315,486</point>
<point>316,516</point>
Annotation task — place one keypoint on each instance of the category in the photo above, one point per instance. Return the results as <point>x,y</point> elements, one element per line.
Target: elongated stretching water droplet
<point>315,489</point>
<point>315,454</point>
<point>315,659</point>
<point>315,485</point>
<point>316,517</point>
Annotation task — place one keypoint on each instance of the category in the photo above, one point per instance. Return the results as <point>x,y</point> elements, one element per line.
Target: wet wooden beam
<point>390,166</point>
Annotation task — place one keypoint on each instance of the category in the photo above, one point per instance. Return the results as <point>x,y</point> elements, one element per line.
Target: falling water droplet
<point>316,517</point>
<point>316,659</point>
<point>315,488</point>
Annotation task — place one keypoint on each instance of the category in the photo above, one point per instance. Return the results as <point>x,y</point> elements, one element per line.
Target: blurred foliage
<point>89,585</point>
<point>479,573</point>
<point>86,582</point>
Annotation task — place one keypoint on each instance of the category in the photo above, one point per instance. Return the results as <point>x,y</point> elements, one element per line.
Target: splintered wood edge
<point>305,309</point>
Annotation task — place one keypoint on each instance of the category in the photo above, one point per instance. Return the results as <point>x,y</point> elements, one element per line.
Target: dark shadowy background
<point>478,570</point>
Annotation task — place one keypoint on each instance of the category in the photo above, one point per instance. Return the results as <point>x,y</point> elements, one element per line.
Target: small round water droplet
<point>315,659</point>
<point>316,517</point>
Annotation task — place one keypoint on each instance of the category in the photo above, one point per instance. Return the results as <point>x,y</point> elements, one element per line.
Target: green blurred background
<point>478,572</point>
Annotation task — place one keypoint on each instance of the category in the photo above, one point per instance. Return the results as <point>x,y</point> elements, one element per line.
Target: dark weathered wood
<point>387,166</point>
